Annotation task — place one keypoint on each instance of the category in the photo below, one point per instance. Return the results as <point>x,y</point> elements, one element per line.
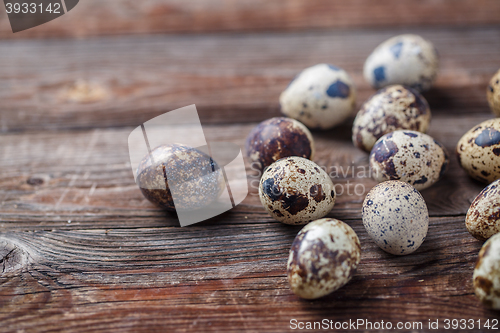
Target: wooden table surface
<point>82,250</point>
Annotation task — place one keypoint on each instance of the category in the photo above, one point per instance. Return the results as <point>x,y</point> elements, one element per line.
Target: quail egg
<point>395,216</point>
<point>483,217</point>
<point>276,138</point>
<point>194,179</point>
<point>391,108</point>
<point>486,277</point>
<point>405,59</point>
<point>493,94</point>
<point>321,97</point>
<point>410,156</point>
<point>295,190</point>
<point>478,151</point>
<point>323,258</point>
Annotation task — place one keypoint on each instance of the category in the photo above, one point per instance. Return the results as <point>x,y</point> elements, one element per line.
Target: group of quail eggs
<point>391,126</point>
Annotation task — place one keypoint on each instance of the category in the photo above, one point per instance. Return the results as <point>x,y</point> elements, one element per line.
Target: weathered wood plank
<point>94,17</point>
<point>229,277</point>
<point>124,81</point>
<point>50,178</point>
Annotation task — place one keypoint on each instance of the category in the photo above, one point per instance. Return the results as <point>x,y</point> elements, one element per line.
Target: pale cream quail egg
<point>483,217</point>
<point>486,277</point>
<point>391,108</point>
<point>409,156</point>
<point>478,151</point>
<point>295,190</point>
<point>493,94</point>
<point>396,217</point>
<point>405,59</point>
<point>321,97</point>
<point>323,258</point>
<point>194,178</point>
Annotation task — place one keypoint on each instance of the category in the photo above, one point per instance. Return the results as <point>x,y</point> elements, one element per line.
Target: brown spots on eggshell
<point>405,59</point>
<point>483,217</point>
<point>478,151</point>
<point>295,190</point>
<point>323,258</point>
<point>321,97</point>
<point>181,172</point>
<point>409,156</point>
<point>493,94</point>
<point>276,138</point>
<point>391,108</point>
<point>486,277</point>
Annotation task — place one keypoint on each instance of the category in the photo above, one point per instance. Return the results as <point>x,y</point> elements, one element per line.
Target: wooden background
<point>82,250</point>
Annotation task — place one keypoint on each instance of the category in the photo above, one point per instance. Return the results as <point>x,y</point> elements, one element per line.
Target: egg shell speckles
<point>478,151</point>
<point>409,156</point>
<point>486,277</point>
<point>493,94</point>
<point>391,108</point>
<point>295,190</point>
<point>323,258</point>
<point>405,59</point>
<point>196,178</point>
<point>276,138</point>
<point>395,216</point>
<point>483,217</point>
<point>321,96</point>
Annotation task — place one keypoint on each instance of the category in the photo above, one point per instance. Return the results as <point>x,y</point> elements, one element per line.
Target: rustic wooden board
<point>82,250</point>
<point>94,17</point>
<point>124,81</point>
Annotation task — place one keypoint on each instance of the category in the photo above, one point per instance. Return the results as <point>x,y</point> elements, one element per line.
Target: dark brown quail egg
<point>483,216</point>
<point>395,216</point>
<point>493,94</point>
<point>323,258</point>
<point>321,97</point>
<point>276,138</point>
<point>295,190</point>
<point>409,156</point>
<point>404,59</point>
<point>478,151</point>
<point>486,277</point>
<point>179,172</point>
<point>392,108</point>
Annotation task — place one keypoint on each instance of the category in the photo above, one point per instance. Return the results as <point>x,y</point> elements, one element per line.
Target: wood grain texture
<point>81,250</point>
<point>124,81</point>
<point>84,251</point>
<point>94,17</point>
<point>75,173</point>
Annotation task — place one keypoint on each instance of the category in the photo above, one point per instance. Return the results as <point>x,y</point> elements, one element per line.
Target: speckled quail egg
<point>395,216</point>
<point>276,138</point>
<point>493,94</point>
<point>321,97</point>
<point>478,151</point>
<point>323,258</point>
<point>409,156</point>
<point>391,108</point>
<point>486,277</point>
<point>194,179</point>
<point>295,190</point>
<point>483,216</point>
<point>404,59</point>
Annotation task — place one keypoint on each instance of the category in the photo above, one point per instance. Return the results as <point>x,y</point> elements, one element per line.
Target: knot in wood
<point>13,257</point>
